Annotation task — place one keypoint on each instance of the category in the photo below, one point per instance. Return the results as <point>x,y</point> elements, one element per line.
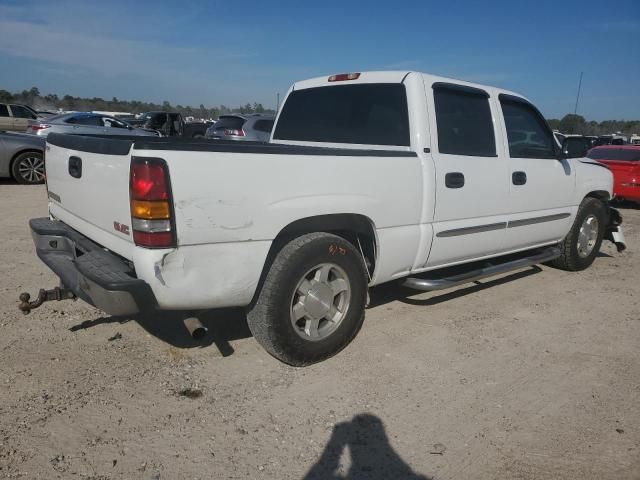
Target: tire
<point>28,168</point>
<point>300,288</point>
<point>576,253</point>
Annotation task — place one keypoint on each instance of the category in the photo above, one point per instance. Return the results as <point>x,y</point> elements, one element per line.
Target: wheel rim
<point>588,236</point>
<point>320,302</point>
<point>31,169</point>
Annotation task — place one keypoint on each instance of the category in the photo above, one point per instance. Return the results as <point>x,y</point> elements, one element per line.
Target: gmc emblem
<point>119,227</point>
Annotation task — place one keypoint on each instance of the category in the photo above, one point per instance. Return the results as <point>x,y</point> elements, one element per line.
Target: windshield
<point>624,154</point>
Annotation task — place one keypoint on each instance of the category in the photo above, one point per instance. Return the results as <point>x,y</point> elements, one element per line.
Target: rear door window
<point>4,111</point>
<point>369,114</point>
<point>92,120</point>
<point>463,119</point>
<point>20,112</point>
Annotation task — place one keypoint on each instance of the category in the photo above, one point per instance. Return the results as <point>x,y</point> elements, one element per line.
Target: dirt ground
<point>534,375</point>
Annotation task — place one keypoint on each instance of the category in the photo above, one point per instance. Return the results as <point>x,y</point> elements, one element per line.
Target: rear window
<point>4,111</point>
<point>233,123</point>
<point>263,125</point>
<point>373,114</point>
<point>624,154</point>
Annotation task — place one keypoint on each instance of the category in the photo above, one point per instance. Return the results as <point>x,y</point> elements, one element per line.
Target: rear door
<point>21,117</point>
<point>471,178</point>
<point>88,187</point>
<point>541,187</point>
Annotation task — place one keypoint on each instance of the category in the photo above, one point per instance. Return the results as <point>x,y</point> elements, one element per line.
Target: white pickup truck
<point>368,178</point>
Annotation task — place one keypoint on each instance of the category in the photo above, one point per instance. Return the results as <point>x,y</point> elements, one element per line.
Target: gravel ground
<point>533,375</point>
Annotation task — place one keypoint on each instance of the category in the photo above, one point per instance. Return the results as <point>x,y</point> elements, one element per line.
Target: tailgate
<point>88,187</point>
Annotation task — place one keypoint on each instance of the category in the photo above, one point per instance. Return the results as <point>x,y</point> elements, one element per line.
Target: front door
<point>472,191</point>
<point>542,188</point>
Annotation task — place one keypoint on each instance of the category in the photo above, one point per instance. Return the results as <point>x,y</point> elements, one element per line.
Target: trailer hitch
<point>56,293</point>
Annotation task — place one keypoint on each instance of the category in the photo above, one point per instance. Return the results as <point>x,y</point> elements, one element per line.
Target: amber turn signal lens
<point>150,210</point>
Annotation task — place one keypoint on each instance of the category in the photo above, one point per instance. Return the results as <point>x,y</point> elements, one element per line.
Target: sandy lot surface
<point>533,375</point>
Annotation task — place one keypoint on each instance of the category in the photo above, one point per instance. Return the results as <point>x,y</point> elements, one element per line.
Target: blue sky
<point>225,52</point>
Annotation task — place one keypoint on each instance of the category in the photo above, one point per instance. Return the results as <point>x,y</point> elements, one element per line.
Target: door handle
<point>454,180</point>
<point>75,167</point>
<point>519,178</point>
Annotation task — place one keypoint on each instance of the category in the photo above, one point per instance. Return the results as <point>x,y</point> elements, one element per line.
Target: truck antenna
<point>575,110</point>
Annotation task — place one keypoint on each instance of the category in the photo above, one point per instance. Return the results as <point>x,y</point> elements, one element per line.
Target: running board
<point>429,284</point>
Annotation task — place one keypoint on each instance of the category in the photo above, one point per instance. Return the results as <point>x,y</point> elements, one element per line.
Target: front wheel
<point>312,302</point>
<point>582,243</point>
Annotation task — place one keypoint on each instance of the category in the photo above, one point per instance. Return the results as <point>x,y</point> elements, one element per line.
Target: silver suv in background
<point>85,124</point>
<point>255,128</point>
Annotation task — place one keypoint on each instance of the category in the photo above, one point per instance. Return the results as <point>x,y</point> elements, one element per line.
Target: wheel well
<point>17,154</point>
<point>356,229</point>
<point>600,195</point>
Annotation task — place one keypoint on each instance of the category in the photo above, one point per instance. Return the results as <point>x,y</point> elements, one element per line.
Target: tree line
<point>51,101</point>
<point>578,124</point>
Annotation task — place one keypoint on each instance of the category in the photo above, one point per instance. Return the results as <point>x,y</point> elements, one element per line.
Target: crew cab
<point>368,178</point>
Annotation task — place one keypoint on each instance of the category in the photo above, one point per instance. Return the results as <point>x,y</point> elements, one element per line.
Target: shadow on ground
<point>223,326</point>
<point>372,456</point>
<point>226,325</point>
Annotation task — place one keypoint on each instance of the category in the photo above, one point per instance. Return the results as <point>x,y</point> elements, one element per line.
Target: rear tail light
<point>39,126</point>
<point>152,218</point>
<point>238,132</point>
<point>341,77</point>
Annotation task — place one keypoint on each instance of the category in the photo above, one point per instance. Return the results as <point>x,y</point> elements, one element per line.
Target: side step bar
<point>429,284</point>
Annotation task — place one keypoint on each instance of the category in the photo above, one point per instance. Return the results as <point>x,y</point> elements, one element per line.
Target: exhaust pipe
<point>195,328</point>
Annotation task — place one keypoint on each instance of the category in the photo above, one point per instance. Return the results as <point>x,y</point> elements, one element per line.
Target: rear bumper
<point>95,275</point>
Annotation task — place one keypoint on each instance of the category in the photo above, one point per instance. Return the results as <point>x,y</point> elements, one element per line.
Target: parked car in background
<point>15,118</point>
<point>170,124</point>
<point>85,124</point>
<point>634,139</point>
<point>624,162</point>
<point>22,157</point>
<point>256,127</point>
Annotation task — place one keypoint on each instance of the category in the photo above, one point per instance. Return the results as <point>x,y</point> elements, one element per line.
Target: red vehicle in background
<point>624,162</point>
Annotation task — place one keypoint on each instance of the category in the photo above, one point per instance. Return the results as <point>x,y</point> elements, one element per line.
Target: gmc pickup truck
<point>368,178</point>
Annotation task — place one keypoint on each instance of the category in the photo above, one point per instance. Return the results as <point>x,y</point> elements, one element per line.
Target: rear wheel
<point>312,302</point>
<point>28,168</point>
<point>582,243</point>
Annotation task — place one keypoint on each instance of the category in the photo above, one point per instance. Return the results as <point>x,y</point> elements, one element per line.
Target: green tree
<point>572,123</point>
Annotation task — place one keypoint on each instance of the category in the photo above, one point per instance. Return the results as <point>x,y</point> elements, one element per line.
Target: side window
<point>4,111</point>
<point>91,120</point>
<point>463,118</point>
<point>264,126</point>
<point>527,132</point>
<point>112,122</point>
<point>21,112</point>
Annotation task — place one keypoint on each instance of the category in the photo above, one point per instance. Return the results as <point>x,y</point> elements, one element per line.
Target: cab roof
<point>396,76</point>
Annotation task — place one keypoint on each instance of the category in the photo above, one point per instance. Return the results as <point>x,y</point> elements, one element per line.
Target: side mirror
<point>574,147</point>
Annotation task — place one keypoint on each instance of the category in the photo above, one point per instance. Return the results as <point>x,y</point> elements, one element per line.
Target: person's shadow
<point>372,457</point>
